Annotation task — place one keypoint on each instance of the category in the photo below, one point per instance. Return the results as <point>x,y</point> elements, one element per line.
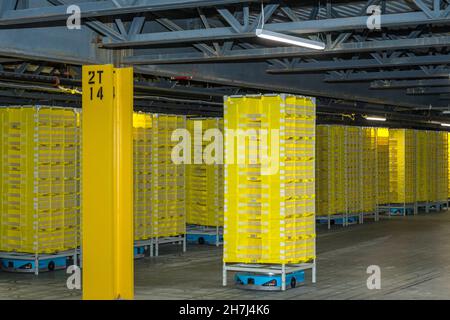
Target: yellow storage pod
<point>402,166</point>
<point>448,163</point>
<point>442,159</point>
<point>382,136</point>
<point>346,169</point>
<point>432,166</point>
<point>221,179</point>
<point>40,179</point>
<point>425,147</point>
<point>369,169</point>
<point>330,170</point>
<point>432,152</point>
<point>204,182</point>
<point>142,178</point>
<point>269,179</point>
<point>168,178</point>
<point>354,181</point>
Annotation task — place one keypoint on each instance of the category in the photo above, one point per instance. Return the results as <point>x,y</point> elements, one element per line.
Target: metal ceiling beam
<point>269,53</point>
<point>422,6</point>
<point>363,64</point>
<point>24,98</point>
<point>294,27</point>
<point>238,75</point>
<point>393,84</point>
<point>427,91</point>
<point>391,115</point>
<point>387,75</point>
<point>171,88</point>
<point>30,73</point>
<point>7,5</point>
<point>94,24</point>
<point>95,9</point>
<point>52,44</point>
<point>27,77</point>
<point>444,97</point>
<point>39,96</point>
<point>173,26</point>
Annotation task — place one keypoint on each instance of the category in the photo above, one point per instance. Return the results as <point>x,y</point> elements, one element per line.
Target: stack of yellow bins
<point>448,155</point>
<point>78,173</point>
<point>221,180</point>
<point>142,155</point>
<point>330,170</point>
<point>402,165</point>
<point>39,182</point>
<point>269,179</point>
<point>354,181</point>
<point>441,166</point>
<point>432,152</point>
<point>168,178</point>
<point>383,165</point>
<point>323,183</point>
<point>425,147</point>
<point>204,190</point>
<point>369,169</point>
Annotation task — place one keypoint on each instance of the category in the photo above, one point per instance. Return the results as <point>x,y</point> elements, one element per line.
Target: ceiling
<point>187,54</point>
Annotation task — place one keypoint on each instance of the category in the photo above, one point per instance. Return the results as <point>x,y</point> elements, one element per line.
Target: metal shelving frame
<point>156,242</point>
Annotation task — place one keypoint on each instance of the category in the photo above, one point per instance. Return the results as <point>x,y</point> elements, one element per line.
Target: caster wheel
<point>293,283</point>
<point>51,266</point>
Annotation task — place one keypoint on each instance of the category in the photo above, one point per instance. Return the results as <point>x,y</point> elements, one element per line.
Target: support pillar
<point>107,183</point>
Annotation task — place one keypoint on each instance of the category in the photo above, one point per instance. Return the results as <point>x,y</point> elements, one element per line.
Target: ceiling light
<point>372,118</point>
<point>280,37</point>
<point>445,124</point>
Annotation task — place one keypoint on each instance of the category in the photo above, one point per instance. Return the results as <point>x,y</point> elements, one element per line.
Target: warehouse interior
<point>370,111</point>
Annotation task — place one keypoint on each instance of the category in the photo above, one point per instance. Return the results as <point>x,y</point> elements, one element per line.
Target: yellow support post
<point>107,197</point>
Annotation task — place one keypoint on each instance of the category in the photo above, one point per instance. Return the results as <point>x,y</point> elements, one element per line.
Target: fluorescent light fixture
<point>446,112</point>
<point>445,124</point>
<point>372,118</point>
<point>280,37</point>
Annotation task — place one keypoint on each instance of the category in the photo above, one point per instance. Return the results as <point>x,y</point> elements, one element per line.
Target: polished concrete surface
<point>413,254</point>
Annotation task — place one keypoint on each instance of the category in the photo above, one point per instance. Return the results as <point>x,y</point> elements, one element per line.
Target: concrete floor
<point>412,252</point>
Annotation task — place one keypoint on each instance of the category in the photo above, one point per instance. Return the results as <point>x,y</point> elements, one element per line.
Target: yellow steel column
<point>107,228</point>
<point>124,183</point>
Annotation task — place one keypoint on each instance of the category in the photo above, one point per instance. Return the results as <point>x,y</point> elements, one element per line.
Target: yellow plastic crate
<point>269,200</point>
<point>267,250</point>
